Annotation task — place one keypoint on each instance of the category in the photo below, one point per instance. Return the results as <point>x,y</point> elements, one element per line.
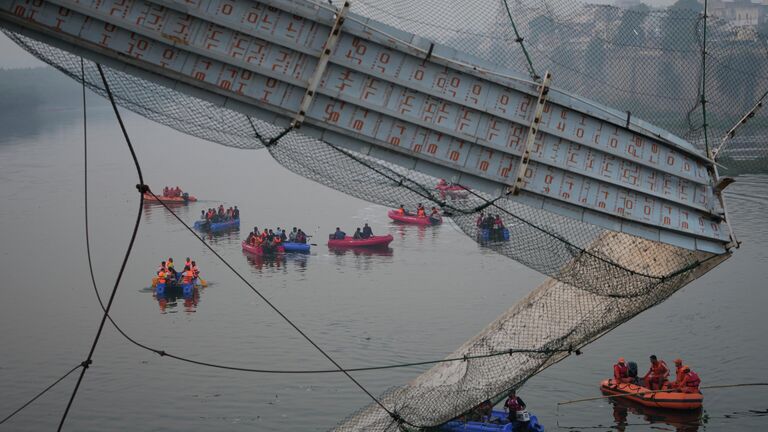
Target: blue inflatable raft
<point>296,247</point>
<point>498,423</point>
<point>485,234</point>
<point>201,225</point>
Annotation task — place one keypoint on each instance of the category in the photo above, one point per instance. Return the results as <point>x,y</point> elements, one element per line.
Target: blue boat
<point>296,247</point>
<point>202,225</point>
<point>485,234</point>
<point>497,423</point>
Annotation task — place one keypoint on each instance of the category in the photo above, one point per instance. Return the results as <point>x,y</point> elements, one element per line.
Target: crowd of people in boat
<point>657,377</point>
<point>167,273</point>
<point>420,212</point>
<point>360,234</point>
<point>270,240</point>
<point>493,223</point>
<point>221,215</point>
<point>173,192</point>
<point>514,407</point>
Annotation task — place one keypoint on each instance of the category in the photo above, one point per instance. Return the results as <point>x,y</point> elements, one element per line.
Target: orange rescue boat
<point>667,399</point>
<point>185,198</point>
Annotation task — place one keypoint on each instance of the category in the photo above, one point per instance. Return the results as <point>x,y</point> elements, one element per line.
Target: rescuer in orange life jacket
<point>691,381</point>
<point>420,212</point>
<point>679,374</point>
<point>401,211</point>
<point>656,375</point>
<point>621,372</point>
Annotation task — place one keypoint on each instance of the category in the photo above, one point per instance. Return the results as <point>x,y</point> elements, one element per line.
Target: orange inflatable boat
<point>666,399</point>
<point>170,200</point>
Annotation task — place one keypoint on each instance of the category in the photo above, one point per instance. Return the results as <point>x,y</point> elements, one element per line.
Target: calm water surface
<point>434,289</point>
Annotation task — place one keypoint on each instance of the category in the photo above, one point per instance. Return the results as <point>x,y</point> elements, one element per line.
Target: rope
<point>45,390</point>
<point>141,188</point>
<point>518,39</point>
<point>661,391</point>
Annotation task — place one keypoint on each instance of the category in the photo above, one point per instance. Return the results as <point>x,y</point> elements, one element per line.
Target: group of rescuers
<point>686,380</point>
<point>420,212</point>
<point>166,272</point>
<point>172,191</point>
<point>220,215</point>
<point>270,240</point>
<point>359,234</point>
<point>514,406</point>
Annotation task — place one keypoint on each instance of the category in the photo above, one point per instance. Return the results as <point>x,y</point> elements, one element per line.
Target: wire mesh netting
<point>644,61</point>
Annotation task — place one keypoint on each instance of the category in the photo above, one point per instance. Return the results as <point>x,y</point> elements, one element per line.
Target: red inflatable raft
<point>166,199</point>
<point>258,250</point>
<point>412,219</point>
<point>453,191</point>
<point>667,399</point>
<point>371,242</point>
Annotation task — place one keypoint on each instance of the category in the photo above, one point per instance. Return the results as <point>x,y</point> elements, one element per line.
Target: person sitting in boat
<point>249,239</point>
<point>691,381</point>
<point>162,276</point>
<point>177,192</point>
<point>358,235</point>
<point>621,372</point>
<point>442,183</point>
<point>401,211</point>
<point>187,275</point>
<point>236,213</point>
<point>656,375</point>
<point>679,374</point>
<point>339,234</point>
<point>367,231</point>
<point>516,412</point>
<point>169,265</point>
<point>195,271</point>
<point>188,263</point>
<point>165,191</point>
<point>283,237</point>
<point>420,212</point>
<point>292,235</point>
<point>301,237</point>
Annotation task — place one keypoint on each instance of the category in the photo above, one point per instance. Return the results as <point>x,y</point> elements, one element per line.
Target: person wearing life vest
<point>162,267</point>
<point>188,263</point>
<point>162,276</point>
<point>195,271</point>
<point>165,191</point>
<point>621,372</point>
<point>420,212</point>
<point>656,375</point>
<point>401,211</point>
<point>516,412</point>
<point>691,381</point>
<point>679,374</point>
<point>187,275</point>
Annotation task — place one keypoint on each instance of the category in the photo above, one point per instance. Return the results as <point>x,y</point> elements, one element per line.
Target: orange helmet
<point>621,359</point>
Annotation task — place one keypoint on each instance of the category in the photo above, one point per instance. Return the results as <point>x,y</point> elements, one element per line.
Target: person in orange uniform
<point>621,372</point>
<point>195,271</point>
<point>187,275</point>
<point>679,374</point>
<point>401,211</point>
<point>656,375</point>
<point>691,381</point>
<point>420,211</point>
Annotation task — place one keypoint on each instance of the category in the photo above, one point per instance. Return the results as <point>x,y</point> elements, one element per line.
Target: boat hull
<point>372,242</point>
<point>412,220</point>
<point>666,400</point>
<point>258,250</point>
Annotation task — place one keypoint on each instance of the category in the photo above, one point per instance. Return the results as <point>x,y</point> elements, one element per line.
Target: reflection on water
<point>679,420</point>
<point>168,300</point>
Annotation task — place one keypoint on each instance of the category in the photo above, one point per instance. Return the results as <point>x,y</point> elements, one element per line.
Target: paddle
<point>203,282</point>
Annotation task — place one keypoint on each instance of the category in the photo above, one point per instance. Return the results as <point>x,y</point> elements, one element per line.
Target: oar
<point>203,282</point>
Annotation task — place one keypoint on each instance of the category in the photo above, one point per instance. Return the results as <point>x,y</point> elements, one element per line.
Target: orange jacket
<point>187,276</point>
<point>421,213</point>
<point>161,277</point>
<point>620,371</point>
<point>691,382</point>
<point>659,369</point>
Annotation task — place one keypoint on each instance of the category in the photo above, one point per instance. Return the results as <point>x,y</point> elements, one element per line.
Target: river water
<point>430,292</point>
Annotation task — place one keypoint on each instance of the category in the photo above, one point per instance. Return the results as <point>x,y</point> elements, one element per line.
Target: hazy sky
<point>11,56</point>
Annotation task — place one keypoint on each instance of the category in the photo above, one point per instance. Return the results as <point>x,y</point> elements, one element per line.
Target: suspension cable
<point>141,187</point>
